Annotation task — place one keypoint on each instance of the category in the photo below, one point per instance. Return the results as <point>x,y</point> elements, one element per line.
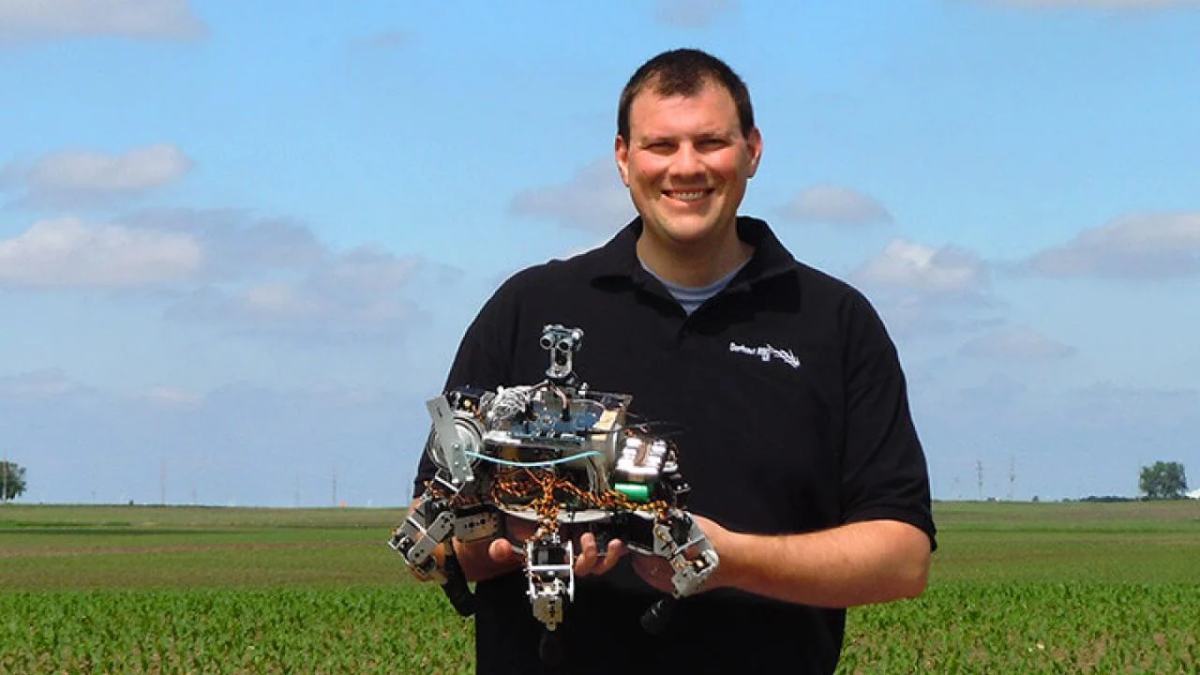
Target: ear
<point>755,143</point>
<point>621,149</point>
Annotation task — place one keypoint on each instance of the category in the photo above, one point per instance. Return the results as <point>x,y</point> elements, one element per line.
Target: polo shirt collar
<point>618,258</point>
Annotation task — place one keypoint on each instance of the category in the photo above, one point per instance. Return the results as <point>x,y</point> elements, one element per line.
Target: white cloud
<point>172,398</point>
<point>913,315</point>
<point>68,253</point>
<point>594,200</point>
<point>72,178</point>
<point>919,268</point>
<point>277,300</point>
<point>139,19</point>
<point>236,245</point>
<point>691,13</point>
<point>365,269</point>
<point>1135,246</point>
<point>909,315</point>
<point>922,290</point>
<point>353,297</point>
<point>1020,344</point>
<point>265,277</point>
<point>36,385</point>
<point>837,205</point>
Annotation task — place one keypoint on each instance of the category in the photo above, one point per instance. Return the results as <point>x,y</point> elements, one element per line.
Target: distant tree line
<point>1108,499</point>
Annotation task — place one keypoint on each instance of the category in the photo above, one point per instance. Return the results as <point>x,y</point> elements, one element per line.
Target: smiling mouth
<point>688,195</point>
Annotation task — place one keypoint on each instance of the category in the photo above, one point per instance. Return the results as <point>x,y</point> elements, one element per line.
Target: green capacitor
<point>637,492</point>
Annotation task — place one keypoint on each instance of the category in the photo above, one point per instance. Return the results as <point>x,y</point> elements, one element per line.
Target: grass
<point>1030,588</point>
<point>55,547</point>
<point>282,630</point>
<point>1130,542</point>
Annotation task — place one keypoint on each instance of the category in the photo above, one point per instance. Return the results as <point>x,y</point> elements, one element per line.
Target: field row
<point>1053,628</point>
<point>1015,588</point>
<point>246,631</point>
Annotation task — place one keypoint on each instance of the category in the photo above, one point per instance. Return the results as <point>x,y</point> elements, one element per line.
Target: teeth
<point>689,196</point>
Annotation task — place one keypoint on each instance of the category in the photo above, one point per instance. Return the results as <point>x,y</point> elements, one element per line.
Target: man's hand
<point>487,559</point>
<point>657,571</point>
<point>589,560</point>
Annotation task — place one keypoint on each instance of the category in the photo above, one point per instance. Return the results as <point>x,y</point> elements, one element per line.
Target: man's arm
<point>854,564</point>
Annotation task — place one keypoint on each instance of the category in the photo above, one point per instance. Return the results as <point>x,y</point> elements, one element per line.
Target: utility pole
<point>1012,475</point>
<point>162,481</point>
<point>335,484</point>
<point>979,476</point>
<point>4,493</point>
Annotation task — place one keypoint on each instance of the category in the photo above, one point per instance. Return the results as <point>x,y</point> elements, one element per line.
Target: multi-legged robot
<point>561,456</point>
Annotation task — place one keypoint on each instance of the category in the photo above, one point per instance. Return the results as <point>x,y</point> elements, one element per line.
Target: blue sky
<point>239,241</point>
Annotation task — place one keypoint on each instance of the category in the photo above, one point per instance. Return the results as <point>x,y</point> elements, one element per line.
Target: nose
<point>688,162</point>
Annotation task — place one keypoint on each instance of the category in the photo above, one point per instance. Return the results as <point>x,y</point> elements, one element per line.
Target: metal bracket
<point>694,559</point>
<point>452,444</point>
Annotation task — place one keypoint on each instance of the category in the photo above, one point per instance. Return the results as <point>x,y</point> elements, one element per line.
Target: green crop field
<point>1015,588</point>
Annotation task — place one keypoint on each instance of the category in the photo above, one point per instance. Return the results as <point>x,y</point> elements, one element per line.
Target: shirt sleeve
<point>884,472</point>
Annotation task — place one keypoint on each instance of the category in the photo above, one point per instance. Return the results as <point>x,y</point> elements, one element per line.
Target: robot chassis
<point>557,454</point>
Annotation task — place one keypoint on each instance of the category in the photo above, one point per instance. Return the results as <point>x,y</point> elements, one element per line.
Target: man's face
<point>686,163</point>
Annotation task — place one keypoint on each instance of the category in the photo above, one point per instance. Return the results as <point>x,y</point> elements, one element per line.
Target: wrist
<point>730,570</point>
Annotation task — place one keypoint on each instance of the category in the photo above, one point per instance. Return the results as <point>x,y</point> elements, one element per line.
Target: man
<point>807,475</point>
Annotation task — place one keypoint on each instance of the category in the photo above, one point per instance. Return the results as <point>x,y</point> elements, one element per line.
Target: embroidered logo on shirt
<point>766,353</point>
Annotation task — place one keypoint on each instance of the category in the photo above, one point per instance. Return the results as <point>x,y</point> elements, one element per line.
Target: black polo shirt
<point>792,416</point>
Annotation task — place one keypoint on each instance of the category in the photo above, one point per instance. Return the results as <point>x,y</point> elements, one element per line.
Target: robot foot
<point>655,620</point>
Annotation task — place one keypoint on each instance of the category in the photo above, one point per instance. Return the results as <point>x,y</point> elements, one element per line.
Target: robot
<point>566,458</point>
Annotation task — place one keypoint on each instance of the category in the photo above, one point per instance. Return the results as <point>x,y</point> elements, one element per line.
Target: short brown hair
<point>684,72</point>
